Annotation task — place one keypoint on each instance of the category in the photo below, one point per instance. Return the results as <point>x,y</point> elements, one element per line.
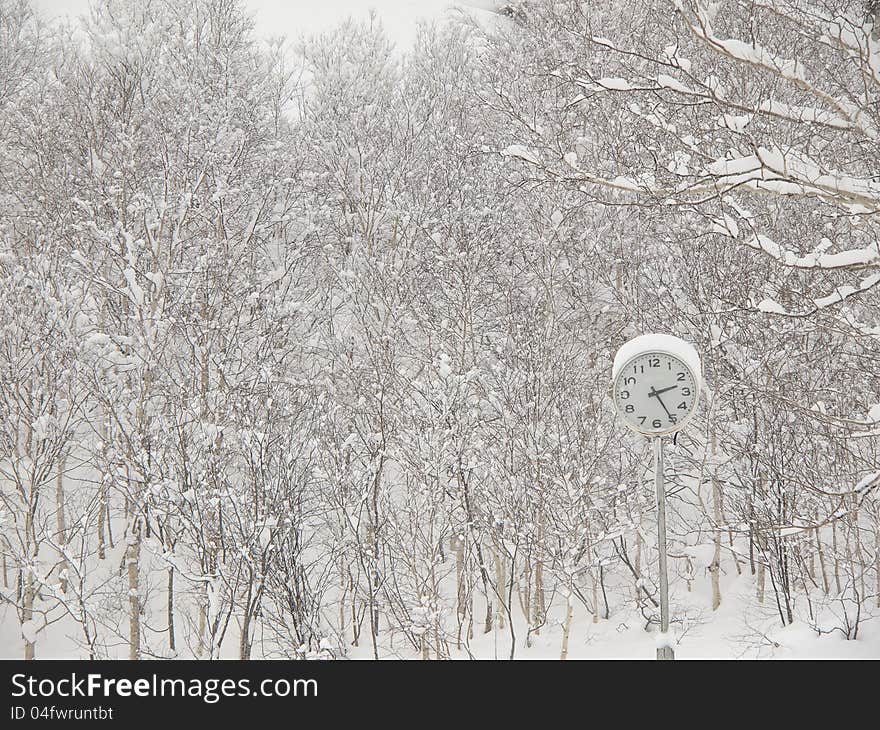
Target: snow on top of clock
<point>684,351</point>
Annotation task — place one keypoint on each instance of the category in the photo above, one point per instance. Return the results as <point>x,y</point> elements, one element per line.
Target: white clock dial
<point>655,393</point>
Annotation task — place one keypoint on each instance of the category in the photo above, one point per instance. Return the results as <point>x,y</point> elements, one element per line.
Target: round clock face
<point>655,393</point>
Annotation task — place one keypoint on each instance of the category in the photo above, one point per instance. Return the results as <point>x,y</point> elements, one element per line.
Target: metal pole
<point>663,651</point>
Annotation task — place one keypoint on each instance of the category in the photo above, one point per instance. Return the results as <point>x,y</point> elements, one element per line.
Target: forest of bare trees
<point>305,349</point>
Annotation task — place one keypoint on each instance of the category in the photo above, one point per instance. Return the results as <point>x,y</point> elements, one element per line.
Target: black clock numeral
<point>630,408</point>
<point>624,394</point>
<point>685,391</point>
<point>657,423</point>
<point>654,362</point>
<point>680,376</point>
<point>682,406</point>
<point>629,381</point>
<point>642,420</point>
<point>673,418</point>
<point>638,368</point>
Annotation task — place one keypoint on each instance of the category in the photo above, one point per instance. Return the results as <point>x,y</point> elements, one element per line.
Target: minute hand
<point>656,394</point>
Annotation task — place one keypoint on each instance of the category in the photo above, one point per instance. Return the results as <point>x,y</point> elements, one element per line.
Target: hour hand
<point>662,390</point>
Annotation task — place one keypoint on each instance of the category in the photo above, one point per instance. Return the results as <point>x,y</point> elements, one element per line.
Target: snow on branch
<point>861,490</point>
<point>791,172</point>
<point>852,259</point>
<point>699,23</point>
<point>521,152</point>
<point>842,293</point>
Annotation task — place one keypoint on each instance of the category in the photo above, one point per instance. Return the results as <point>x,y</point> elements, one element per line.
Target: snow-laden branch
<point>840,294</point>
<point>699,23</point>
<point>790,172</point>
<point>852,259</point>
<point>704,94</point>
<point>860,490</point>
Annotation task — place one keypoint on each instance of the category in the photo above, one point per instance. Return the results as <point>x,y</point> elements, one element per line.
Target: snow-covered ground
<point>734,632</point>
<point>740,628</point>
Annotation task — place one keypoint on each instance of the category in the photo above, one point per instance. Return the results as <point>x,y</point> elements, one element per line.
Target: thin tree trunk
<point>28,613</point>
<point>171,639</point>
<point>29,588</point>
<point>343,584</point>
<point>821,553</point>
<point>637,572</point>
<point>877,558</point>
<point>202,622</point>
<point>861,562</point>
<point>835,556</point>
<point>102,511</point>
<point>595,597</point>
<point>752,532</point>
<point>566,627</point>
<point>244,644</point>
<point>607,613</point>
<point>355,626</point>
<point>133,555</point>
<point>500,583</point>
<point>715,567</point>
<point>107,521</point>
<point>461,594</point>
<point>760,582</point>
<point>540,607</point>
<point>61,526</point>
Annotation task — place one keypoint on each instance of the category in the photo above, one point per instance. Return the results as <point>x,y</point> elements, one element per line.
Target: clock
<point>655,391</point>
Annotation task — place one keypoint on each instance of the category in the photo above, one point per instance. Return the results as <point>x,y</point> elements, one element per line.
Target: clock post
<point>656,384</point>
<point>664,648</point>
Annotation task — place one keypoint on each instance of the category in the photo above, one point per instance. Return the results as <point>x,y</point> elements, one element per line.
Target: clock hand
<point>656,394</point>
<point>663,390</point>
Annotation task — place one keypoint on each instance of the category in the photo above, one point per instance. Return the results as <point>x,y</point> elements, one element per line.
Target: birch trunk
<point>595,597</point>
<point>820,551</point>
<point>715,567</point>
<point>835,556</point>
<point>102,497</point>
<point>202,623</point>
<point>877,558</point>
<point>132,559</point>
<point>170,609</point>
<point>29,590</point>
<point>760,582</point>
<point>500,584</point>
<point>525,592</point>
<point>540,608</point>
<point>28,613</point>
<point>461,593</point>
<point>61,526</point>
<point>637,563</point>
<point>857,539</point>
<point>566,627</point>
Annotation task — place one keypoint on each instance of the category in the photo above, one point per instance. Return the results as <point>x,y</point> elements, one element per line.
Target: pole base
<point>665,652</point>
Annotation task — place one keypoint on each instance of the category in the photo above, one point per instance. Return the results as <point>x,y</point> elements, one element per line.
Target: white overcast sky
<point>294,17</point>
